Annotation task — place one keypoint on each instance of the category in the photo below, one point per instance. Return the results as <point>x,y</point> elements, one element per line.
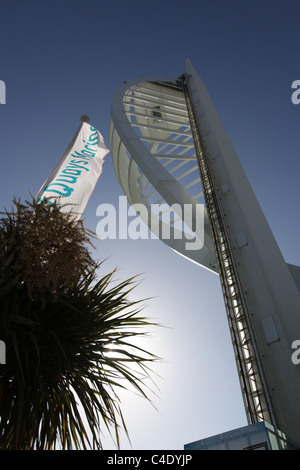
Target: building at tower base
<point>258,436</point>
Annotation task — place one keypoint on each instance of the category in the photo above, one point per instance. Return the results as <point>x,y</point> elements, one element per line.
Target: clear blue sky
<point>61,59</point>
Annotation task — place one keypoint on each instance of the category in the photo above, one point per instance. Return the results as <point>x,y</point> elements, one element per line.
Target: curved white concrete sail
<point>161,126</point>
<point>154,159</point>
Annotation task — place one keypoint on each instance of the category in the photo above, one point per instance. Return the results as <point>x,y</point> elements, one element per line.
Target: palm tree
<point>69,336</point>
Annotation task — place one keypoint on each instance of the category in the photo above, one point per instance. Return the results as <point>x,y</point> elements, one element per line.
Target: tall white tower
<point>167,141</point>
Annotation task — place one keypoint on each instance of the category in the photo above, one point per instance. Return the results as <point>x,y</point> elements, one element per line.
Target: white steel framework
<point>154,158</point>
<point>169,145</point>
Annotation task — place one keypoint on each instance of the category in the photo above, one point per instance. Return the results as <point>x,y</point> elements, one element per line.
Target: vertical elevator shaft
<point>257,401</point>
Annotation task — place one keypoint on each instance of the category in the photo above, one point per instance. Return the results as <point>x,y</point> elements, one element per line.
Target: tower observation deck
<point>169,147</point>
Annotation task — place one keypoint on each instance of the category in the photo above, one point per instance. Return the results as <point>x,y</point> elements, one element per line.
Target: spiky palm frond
<point>44,248</point>
<point>66,354</point>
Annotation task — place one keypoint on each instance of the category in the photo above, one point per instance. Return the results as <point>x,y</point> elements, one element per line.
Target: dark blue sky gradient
<point>62,59</point>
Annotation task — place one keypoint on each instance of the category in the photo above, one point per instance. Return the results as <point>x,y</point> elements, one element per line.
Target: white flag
<point>76,174</point>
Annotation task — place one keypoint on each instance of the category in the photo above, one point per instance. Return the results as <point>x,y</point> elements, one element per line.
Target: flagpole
<point>84,118</point>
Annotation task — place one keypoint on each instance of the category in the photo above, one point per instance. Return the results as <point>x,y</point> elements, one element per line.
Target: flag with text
<point>74,178</point>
